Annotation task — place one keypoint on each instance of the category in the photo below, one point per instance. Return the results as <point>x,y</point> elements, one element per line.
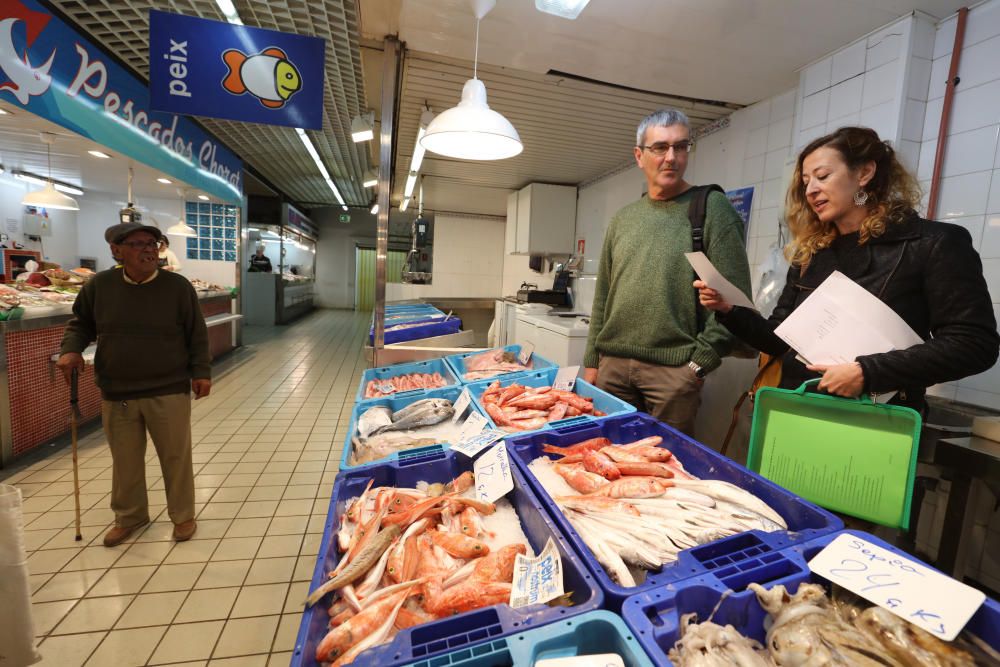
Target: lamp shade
<point>49,197</point>
<point>471,130</point>
<point>181,229</point>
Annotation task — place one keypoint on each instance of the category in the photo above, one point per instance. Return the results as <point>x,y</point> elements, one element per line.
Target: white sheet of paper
<point>914,592</point>
<point>493,477</point>
<point>841,321</point>
<point>538,579</point>
<point>527,349</point>
<point>711,277</point>
<point>461,405</point>
<point>566,378</point>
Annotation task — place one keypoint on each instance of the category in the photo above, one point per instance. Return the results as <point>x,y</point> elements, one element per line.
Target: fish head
<point>287,79</point>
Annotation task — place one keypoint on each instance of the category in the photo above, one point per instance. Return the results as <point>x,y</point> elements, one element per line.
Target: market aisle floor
<point>267,444</point>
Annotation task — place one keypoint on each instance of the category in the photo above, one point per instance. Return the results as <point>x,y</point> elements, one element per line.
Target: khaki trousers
<point>671,394</point>
<point>168,421</point>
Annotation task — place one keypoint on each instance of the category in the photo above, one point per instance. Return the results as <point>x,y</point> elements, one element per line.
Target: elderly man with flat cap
<point>152,352</point>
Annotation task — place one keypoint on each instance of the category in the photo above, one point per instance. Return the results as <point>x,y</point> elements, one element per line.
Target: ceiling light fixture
<point>4,112</point>
<point>47,197</point>
<point>203,197</point>
<point>100,154</point>
<point>181,228</point>
<point>418,151</point>
<point>363,127</point>
<point>165,181</point>
<point>405,203</point>
<point>229,11</point>
<point>38,180</point>
<point>411,181</point>
<point>567,9</point>
<point>375,209</point>
<point>371,178</point>
<point>311,149</point>
<point>471,130</point>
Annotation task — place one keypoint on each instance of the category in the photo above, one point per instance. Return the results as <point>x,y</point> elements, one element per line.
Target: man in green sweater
<point>152,352</point>
<point>645,344</point>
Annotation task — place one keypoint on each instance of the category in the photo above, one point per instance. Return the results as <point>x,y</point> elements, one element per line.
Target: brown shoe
<point>185,531</point>
<point>119,534</point>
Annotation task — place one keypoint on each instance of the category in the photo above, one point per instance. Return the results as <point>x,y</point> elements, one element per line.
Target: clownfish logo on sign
<point>269,76</point>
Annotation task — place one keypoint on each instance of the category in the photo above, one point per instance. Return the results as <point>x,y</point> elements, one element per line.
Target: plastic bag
<point>17,627</point>
<point>772,271</point>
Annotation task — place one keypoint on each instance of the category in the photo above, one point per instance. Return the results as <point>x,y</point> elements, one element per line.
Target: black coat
<point>929,274</point>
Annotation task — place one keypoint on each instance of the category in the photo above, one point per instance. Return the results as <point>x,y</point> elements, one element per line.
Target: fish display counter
<point>270,299</point>
<point>34,398</point>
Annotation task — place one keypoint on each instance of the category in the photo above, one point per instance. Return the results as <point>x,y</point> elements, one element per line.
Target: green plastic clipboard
<point>847,455</point>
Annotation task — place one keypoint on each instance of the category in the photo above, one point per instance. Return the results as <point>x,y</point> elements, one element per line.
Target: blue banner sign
<point>218,69</point>
<point>51,70</point>
<point>741,200</point>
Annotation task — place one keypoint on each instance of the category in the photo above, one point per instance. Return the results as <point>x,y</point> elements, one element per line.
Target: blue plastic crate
<point>385,372</point>
<point>394,403</point>
<point>655,615</point>
<point>474,627</point>
<point>805,520</point>
<point>392,319</point>
<point>427,329</point>
<point>603,401</point>
<point>457,363</point>
<point>588,634</point>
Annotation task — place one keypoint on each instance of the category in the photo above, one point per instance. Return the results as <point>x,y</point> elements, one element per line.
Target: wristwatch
<point>699,372</point>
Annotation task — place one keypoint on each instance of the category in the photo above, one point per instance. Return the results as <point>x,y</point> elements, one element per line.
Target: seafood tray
<point>457,363</point>
<point>592,633</point>
<point>603,401</point>
<point>384,373</point>
<point>805,520</point>
<point>441,636</point>
<point>417,330</point>
<point>655,615</point>
<point>398,402</point>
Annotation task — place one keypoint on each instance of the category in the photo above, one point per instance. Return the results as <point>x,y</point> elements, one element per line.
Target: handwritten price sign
<point>914,592</point>
<point>493,477</point>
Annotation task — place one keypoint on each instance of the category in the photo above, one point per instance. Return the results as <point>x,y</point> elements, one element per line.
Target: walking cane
<point>74,409</point>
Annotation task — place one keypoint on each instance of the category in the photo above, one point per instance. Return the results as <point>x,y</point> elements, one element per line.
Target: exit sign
<point>345,217</point>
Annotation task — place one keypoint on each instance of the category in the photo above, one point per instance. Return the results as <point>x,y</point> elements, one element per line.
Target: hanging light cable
<point>49,197</point>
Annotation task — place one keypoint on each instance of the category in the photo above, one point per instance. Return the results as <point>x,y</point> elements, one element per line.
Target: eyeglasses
<point>139,245</point>
<point>661,149</point>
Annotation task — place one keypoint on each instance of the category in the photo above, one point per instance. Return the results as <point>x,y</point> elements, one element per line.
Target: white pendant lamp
<point>181,228</point>
<point>49,197</point>
<point>471,130</point>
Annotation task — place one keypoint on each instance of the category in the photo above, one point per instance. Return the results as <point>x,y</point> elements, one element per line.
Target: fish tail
<point>233,82</point>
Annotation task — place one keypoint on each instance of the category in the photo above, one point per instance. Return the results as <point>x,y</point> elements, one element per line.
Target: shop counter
<point>269,299</point>
<point>34,398</point>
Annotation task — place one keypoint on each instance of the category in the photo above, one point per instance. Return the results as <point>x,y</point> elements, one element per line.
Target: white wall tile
<point>986,381</point>
<point>938,78</point>
<point>971,151</point>
<point>886,45</point>
<point>945,391</point>
<point>774,164</point>
<point>974,225</point>
<point>924,31</point>
<point>913,120</point>
<point>979,63</point>
<point>909,154</point>
<point>783,106</point>
<point>779,134</point>
<point>996,160</point>
<point>814,109</point>
<point>757,142</point>
<point>845,98</point>
<point>880,84</point>
<point>945,38</point>
<point>753,171</point>
<point>984,398</point>
<point>926,166</point>
<point>932,118</point>
<point>848,62</point>
<point>991,271</point>
<point>758,115</point>
<point>983,23</point>
<point>807,136</point>
<point>850,119</point>
<point>976,107</point>
<point>993,204</point>
<point>883,119</point>
<point>772,194</point>
<point>766,221</point>
<point>919,78</point>
<point>964,195</point>
<point>990,246</point>
<point>816,77</point>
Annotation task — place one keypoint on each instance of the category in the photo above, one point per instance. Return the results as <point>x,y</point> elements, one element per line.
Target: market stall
<point>280,289</point>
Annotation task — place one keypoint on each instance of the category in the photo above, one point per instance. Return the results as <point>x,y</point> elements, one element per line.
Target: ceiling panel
<point>122,26</point>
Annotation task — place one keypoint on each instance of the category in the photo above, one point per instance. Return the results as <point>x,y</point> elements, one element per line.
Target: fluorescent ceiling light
<point>38,180</point>
<point>4,112</point>
<point>375,209</point>
<point>343,206</point>
<point>103,156</point>
<point>363,127</point>
<point>229,11</point>
<point>371,179</point>
<point>568,9</point>
<point>311,149</point>
<point>68,189</point>
<point>165,181</point>
<point>404,204</point>
<point>411,181</point>
<point>203,197</point>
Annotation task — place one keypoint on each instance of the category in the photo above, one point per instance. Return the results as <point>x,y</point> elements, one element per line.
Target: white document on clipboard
<point>841,321</point>
<point>715,280</point>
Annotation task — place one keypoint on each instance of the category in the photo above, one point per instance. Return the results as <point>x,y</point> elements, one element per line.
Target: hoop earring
<point>860,198</point>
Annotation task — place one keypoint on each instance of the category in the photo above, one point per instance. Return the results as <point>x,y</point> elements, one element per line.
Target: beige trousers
<point>168,421</point>
<point>671,394</point>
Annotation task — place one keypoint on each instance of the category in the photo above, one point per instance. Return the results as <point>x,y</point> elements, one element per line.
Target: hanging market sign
<point>218,69</point>
<point>51,70</point>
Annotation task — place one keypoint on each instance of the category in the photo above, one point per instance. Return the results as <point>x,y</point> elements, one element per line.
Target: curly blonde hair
<point>893,193</point>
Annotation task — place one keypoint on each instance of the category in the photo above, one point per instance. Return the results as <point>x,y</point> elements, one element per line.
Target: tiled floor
<point>267,444</point>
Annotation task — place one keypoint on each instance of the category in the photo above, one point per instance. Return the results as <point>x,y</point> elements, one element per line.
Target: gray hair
<point>661,118</point>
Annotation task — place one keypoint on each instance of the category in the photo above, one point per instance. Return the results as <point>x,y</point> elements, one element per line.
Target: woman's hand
<point>841,379</point>
<point>711,299</point>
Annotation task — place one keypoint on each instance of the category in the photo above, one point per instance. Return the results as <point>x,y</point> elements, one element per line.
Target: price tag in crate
<point>493,477</point>
<point>386,387</point>
<point>474,437</point>
<point>539,579</point>
<point>527,349</point>
<point>461,405</point>
<point>911,590</point>
<point>566,378</point>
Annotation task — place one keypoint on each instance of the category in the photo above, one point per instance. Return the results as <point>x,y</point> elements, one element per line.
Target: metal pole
<point>949,95</point>
<point>390,75</point>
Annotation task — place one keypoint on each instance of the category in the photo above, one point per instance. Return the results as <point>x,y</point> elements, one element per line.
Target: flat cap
<point>118,233</point>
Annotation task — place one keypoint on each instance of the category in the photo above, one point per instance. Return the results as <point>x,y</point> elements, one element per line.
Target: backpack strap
<point>697,210</point>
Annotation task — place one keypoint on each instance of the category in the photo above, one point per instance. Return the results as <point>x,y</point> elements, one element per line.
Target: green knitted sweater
<point>644,304</point>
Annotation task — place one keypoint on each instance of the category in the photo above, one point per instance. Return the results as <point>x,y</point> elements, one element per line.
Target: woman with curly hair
<point>850,208</point>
